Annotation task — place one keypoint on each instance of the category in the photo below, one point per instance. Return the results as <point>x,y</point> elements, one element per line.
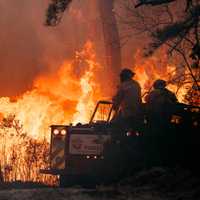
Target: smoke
<point>29,48</point>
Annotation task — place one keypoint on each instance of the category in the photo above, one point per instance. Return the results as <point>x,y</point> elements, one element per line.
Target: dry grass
<point>21,157</point>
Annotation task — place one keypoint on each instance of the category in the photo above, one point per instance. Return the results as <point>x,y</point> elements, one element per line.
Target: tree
<point>111,36</point>
<point>178,34</point>
<point>109,26</point>
<point>171,23</point>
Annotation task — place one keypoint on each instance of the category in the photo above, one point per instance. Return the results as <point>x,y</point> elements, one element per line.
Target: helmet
<point>159,84</point>
<point>126,74</point>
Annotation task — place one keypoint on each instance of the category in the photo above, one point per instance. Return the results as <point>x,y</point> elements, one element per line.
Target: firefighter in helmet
<point>127,100</point>
<point>158,141</point>
<point>161,101</point>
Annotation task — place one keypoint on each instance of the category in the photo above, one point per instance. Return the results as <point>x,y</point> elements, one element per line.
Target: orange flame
<point>158,67</point>
<point>68,96</point>
<point>65,96</point>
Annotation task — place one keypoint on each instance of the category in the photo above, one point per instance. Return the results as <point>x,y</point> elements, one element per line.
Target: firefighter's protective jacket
<point>128,98</point>
<point>160,101</point>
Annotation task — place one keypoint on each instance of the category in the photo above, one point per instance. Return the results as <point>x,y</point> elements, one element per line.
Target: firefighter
<point>160,102</point>
<point>127,101</point>
<point>160,105</point>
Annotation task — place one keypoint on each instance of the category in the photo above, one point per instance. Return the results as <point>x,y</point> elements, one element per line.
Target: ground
<point>154,184</point>
<point>73,194</point>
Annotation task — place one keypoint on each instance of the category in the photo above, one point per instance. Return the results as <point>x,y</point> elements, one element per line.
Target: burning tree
<point>111,36</point>
<point>109,26</point>
<point>175,25</point>
<point>171,23</point>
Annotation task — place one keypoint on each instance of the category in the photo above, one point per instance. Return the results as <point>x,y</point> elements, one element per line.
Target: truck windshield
<point>102,113</point>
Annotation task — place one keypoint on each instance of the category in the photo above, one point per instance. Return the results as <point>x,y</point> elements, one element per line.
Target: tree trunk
<point>111,40</point>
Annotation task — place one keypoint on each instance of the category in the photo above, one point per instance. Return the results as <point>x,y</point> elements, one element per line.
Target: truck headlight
<point>55,131</point>
<point>63,132</point>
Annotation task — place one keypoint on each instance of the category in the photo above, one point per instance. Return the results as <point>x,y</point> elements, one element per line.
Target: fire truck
<point>88,154</point>
<point>98,152</point>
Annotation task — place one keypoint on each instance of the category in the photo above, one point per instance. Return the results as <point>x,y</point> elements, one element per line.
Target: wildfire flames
<point>65,96</point>
<point>157,67</point>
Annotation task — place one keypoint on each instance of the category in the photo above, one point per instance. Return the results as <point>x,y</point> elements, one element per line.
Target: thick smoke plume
<point>29,48</point>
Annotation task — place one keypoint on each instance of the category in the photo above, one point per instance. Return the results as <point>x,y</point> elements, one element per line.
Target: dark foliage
<point>55,11</point>
<point>178,29</point>
<point>153,2</point>
<point>181,34</point>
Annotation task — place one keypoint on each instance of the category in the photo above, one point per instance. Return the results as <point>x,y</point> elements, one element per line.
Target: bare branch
<point>153,2</point>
